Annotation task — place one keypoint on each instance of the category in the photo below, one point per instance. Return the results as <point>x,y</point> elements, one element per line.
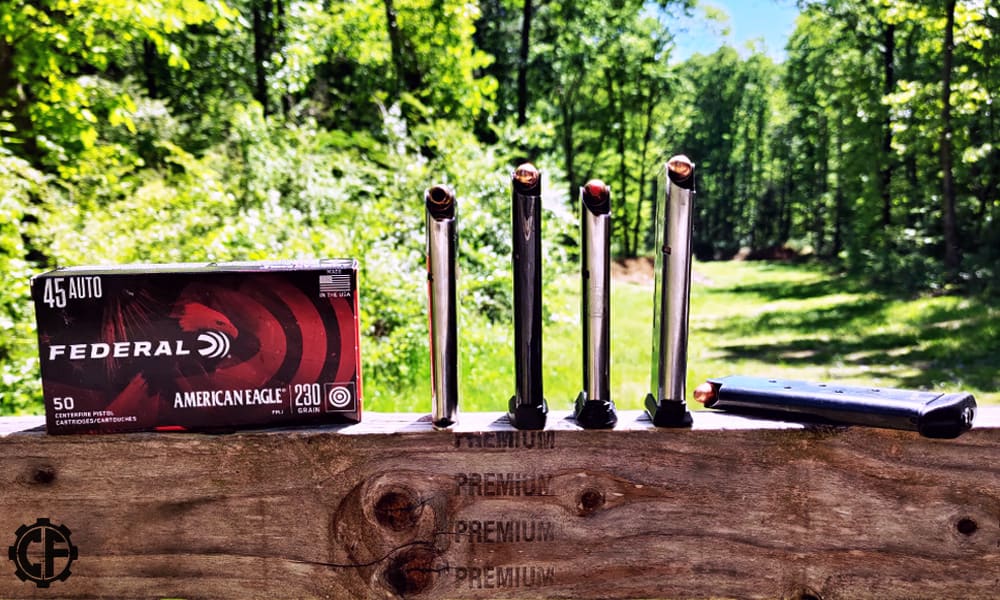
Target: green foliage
<point>19,383</point>
<point>281,191</point>
<point>187,130</point>
<point>434,73</point>
<point>611,89</point>
<point>48,50</point>
<point>730,105</point>
<point>868,120</point>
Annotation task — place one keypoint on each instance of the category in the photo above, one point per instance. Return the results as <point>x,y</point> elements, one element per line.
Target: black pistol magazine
<point>932,414</point>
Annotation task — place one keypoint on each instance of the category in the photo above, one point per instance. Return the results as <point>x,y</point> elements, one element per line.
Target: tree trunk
<point>408,77</point>
<point>566,96</point>
<point>952,257</point>
<point>569,143</point>
<point>618,109</point>
<point>786,189</point>
<point>16,97</point>
<point>6,68</point>
<point>838,222</point>
<point>279,37</point>
<point>760,233</point>
<point>150,67</point>
<point>522,65</point>
<point>819,220</point>
<point>627,216</point>
<point>260,13</point>
<point>888,85</point>
<point>647,137</point>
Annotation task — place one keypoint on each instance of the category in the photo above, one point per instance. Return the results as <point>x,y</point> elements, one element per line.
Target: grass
<point>805,323</point>
<point>751,318</point>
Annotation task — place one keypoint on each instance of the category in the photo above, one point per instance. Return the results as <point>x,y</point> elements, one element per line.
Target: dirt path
<point>640,271</point>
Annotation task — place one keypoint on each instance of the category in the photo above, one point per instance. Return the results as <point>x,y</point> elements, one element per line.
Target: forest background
<point>190,130</point>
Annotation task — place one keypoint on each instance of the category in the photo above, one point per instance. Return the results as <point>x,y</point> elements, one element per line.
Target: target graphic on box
<point>340,397</point>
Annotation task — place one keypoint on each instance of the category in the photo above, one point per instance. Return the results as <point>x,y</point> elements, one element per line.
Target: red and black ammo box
<point>199,347</point>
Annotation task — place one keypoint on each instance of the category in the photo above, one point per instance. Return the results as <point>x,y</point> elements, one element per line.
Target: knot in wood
<point>398,509</point>
<point>967,526</point>
<point>590,501</point>
<point>44,475</point>
<point>807,594</point>
<point>413,571</point>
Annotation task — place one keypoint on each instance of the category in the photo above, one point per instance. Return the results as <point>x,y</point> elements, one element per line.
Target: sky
<point>768,22</point>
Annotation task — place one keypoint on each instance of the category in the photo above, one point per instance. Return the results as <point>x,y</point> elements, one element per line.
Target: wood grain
<point>734,508</point>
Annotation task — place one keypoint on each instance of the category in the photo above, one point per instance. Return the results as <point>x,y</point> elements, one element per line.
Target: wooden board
<point>734,508</point>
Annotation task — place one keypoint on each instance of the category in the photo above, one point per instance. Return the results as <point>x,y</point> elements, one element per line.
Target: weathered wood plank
<point>389,508</point>
<point>14,424</point>
<point>481,421</point>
